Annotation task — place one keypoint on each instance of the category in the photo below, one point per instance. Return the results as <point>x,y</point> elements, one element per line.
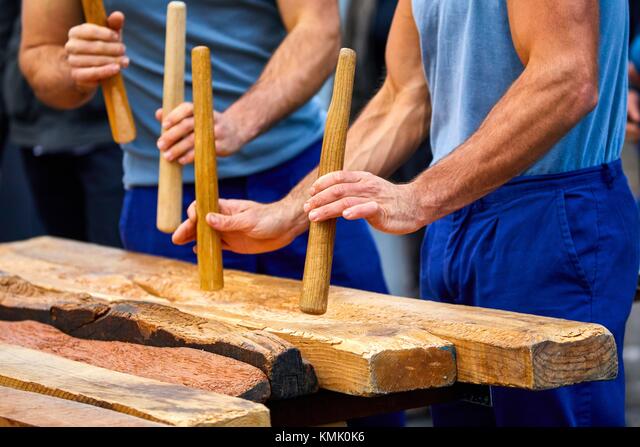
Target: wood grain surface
<point>151,324</point>
<point>181,366</point>
<point>360,331</point>
<point>31,370</point>
<point>26,409</point>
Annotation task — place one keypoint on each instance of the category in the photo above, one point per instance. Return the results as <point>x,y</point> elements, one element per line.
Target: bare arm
<point>64,59</point>
<point>45,25</point>
<point>297,69</point>
<point>295,72</point>
<point>396,120</point>
<point>558,44</point>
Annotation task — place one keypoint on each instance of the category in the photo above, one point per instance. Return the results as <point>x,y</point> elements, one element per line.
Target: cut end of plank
<point>589,357</point>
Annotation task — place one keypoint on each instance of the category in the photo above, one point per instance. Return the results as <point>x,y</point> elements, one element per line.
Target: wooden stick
<point>317,267</point>
<point>209,247</point>
<point>170,176</point>
<point>123,128</point>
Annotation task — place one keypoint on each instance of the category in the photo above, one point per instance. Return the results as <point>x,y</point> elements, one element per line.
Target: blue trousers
<point>562,245</point>
<point>356,262</point>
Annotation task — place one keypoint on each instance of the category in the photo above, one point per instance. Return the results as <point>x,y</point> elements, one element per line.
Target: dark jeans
<point>78,196</point>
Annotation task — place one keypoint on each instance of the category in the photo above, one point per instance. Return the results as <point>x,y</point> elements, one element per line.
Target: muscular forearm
<point>295,72</point>
<point>535,113</point>
<point>389,130</point>
<point>46,26</point>
<point>46,69</point>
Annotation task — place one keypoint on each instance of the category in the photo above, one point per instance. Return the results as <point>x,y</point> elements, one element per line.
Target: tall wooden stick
<point>123,128</point>
<point>169,212</point>
<point>317,267</point>
<point>209,247</point>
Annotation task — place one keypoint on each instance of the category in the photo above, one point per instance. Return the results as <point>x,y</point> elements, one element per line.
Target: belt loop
<point>607,175</point>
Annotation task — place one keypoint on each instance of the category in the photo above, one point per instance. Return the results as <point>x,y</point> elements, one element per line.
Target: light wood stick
<point>169,213</point>
<point>209,247</point>
<point>317,267</point>
<point>123,128</point>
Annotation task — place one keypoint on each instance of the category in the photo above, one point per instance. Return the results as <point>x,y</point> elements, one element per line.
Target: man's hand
<point>177,139</point>
<point>633,117</point>
<point>247,227</point>
<point>95,53</point>
<point>361,195</point>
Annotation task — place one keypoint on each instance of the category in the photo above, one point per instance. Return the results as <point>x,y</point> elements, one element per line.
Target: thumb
<point>115,21</point>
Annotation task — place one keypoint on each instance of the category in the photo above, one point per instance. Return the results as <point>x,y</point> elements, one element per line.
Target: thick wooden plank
<point>30,370</point>
<point>153,324</point>
<point>492,346</point>
<point>25,409</point>
<point>180,366</point>
<point>353,357</point>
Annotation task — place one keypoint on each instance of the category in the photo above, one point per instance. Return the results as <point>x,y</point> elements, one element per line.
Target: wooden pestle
<point>209,246</point>
<point>123,128</point>
<point>317,267</point>
<point>169,211</point>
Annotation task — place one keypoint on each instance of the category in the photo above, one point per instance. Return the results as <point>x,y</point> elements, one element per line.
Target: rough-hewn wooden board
<point>153,324</point>
<point>30,370</point>
<point>492,346</point>
<point>25,409</point>
<point>350,357</point>
<point>181,366</point>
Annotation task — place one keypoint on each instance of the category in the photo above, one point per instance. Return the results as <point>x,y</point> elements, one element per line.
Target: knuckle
<point>71,46</point>
<point>348,202</point>
<point>339,191</point>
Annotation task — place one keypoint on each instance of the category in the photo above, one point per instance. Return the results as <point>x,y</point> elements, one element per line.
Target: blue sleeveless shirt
<point>242,35</point>
<point>470,62</point>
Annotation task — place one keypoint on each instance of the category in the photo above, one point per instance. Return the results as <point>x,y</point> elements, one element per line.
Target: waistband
<point>605,173</point>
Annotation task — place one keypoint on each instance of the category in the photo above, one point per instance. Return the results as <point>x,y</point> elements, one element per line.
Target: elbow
<point>585,96</point>
<point>581,88</point>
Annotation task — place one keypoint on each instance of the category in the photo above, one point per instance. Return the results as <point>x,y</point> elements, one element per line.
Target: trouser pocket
<point>579,229</point>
